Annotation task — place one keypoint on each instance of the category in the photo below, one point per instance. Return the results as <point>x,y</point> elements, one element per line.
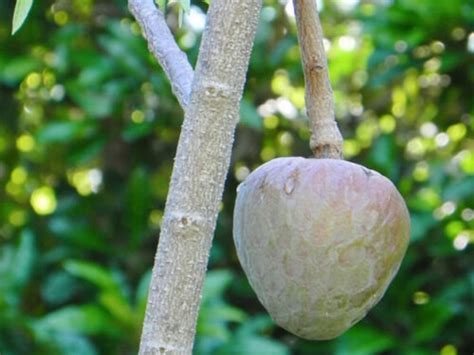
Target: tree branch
<point>162,45</point>
<point>197,182</point>
<point>326,139</point>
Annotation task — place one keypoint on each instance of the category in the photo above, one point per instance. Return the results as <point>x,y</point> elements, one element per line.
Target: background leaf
<point>22,8</point>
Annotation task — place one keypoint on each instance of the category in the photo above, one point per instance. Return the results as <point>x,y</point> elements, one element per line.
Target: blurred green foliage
<point>88,133</point>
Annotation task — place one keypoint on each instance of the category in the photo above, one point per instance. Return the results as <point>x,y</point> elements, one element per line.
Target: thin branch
<point>326,139</point>
<point>201,164</point>
<point>162,45</point>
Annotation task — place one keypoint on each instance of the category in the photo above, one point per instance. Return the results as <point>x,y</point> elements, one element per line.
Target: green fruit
<point>320,240</point>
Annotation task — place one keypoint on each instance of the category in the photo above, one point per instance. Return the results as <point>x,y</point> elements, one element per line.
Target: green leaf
<point>223,313</point>
<point>185,5</point>
<point>24,259</point>
<point>249,116</point>
<point>254,345</point>
<point>138,204</point>
<point>57,132</point>
<point>118,306</point>
<point>362,340</point>
<point>215,284</point>
<point>112,296</point>
<point>97,104</point>
<point>430,320</point>
<point>162,4</point>
<point>13,70</point>
<point>93,273</point>
<point>420,225</point>
<point>85,319</point>
<point>213,330</point>
<point>87,151</point>
<point>22,8</point>
<point>59,288</point>
<point>142,290</point>
<point>134,131</point>
<point>68,343</point>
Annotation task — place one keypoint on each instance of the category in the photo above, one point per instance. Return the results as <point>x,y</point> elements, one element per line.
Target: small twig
<point>326,139</point>
<point>162,45</point>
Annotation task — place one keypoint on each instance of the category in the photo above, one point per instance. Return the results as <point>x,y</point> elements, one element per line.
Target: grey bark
<point>197,182</point>
<point>326,139</point>
<point>163,46</point>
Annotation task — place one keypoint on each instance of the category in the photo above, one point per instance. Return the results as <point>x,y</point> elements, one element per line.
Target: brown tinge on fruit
<point>320,240</point>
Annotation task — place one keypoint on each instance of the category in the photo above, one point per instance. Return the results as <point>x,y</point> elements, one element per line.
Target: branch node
<point>326,139</point>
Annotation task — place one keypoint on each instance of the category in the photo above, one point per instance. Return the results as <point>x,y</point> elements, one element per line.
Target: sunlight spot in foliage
<point>285,139</point>
<point>367,9</point>
<point>462,240</point>
<point>49,79</point>
<point>467,161</point>
<point>43,200</point>
<point>289,10</point>
<point>57,92</point>
<point>351,148</point>
<point>416,147</point>
<point>25,143</point>
<point>13,189</point>
<point>135,29</point>
<point>387,124</point>
<point>17,218</point>
<point>347,5</point>
<point>188,40</point>
<point>196,19</point>
<point>467,214</point>
<point>155,218</point>
<point>470,43</point>
<point>448,350</point>
<point>241,172</point>
<point>421,171</point>
<point>453,228</point>
<point>138,116</point>
<point>19,175</point>
<point>281,83</point>
<point>268,108</point>
<point>437,47</point>
<point>458,33</point>
<point>61,18</point>
<point>422,52</point>
<point>432,65</point>
<point>429,198</point>
<point>366,131</point>
<point>400,46</point>
<point>442,140</point>
<point>410,84</point>
<point>347,43</point>
<point>421,298</point>
<point>456,132</point>
<point>86,181</point>
<point>359,78</point>
<point>428,129</point>
<point>297,97</point>
<point>286,108</point>
<point>446,209</point>
<point>267,153</point>
<point>271,122</point>
<point>399,100</point>
<point>33,80</point>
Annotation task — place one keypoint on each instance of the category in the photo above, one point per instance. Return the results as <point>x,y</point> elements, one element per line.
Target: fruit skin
<point>319,240</point>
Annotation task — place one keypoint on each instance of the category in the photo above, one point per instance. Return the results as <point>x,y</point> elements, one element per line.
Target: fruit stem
<point>326,139</point>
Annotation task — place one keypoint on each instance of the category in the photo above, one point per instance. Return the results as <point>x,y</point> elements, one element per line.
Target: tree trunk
<point>197,182</point>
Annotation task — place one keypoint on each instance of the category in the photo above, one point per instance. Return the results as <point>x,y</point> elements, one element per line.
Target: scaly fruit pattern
<point>319,240</point>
